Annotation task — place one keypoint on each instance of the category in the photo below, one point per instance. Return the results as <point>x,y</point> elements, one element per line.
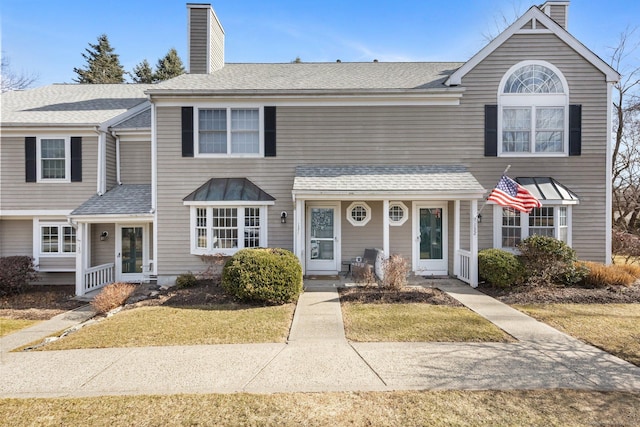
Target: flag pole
<point>478,216</point>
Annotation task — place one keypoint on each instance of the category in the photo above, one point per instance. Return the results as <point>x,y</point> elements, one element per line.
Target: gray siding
<point>559,14</point>
<point>66,263</point>
<point>17,194</point>
<point>16,237</point>
<point>135,161</point>
<point>397,135</point>
<point>199,55</point>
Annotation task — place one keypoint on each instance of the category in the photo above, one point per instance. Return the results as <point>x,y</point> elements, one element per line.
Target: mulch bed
<point>375,295</point>
<point>550,295</point>
<point>39,302</point>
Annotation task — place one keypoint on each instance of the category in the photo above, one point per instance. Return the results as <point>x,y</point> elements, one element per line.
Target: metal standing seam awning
<point>229,190</point>
<point>548,189</point>
<point>415,182</point>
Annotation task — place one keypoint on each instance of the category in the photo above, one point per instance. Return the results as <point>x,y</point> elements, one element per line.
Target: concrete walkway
<point>317,357</point>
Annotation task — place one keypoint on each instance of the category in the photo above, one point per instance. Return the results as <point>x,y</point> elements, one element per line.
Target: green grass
<point>8,326</point>
<point>614,328</point>
<point>155,326</point>
<point>417,323</point>
<point>410,408</point>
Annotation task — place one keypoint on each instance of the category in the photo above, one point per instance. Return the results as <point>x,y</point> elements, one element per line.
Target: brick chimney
<point>205,39</point>
<point>558,10</point>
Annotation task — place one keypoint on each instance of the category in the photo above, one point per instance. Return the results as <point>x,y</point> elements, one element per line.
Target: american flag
<point>511,194</point>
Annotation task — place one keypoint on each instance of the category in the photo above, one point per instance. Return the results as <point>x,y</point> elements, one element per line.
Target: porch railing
<point>464,265</point>
<point>98,276</point>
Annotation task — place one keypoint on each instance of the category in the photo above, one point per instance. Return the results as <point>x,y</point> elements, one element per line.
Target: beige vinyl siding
<point>102,251</point>
<point>57,263</point>
<point>135,161</point>
<point>216,43</point>
<point>355,239</point>
<point>58,279</point>
<point>16,237</point>
<point>313,135</point>
<point>559,14</point>
<point>585,174</point>
<point>198,41</point>
<point>16,194</point>
<point>111,162</point>
<point>401,236</point>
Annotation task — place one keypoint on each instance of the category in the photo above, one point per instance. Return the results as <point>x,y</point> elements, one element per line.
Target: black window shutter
<point>575,130</point>
<point>269,131</point>
<point>187,131</point>
<point>490,130</point>
<point>30,158</point>
<point>76,159</point>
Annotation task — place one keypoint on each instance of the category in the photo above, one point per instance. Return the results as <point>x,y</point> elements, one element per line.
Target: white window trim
<point>352,221</point>
<point>67,160</point>
<point>524,224</point>
<point>405,216</point>
<point>195,250</point>
<point>228,107</point>
<point>534,101</point>
<point>60,254</point>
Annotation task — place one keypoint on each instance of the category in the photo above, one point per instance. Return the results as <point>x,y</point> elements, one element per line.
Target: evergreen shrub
<point>500,268</point>
<point>270,275</point>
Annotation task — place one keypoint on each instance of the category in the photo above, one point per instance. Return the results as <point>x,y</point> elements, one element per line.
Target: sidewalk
<point>319,358</point>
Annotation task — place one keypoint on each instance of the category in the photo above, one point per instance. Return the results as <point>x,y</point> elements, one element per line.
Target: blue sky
<point>47,37</point>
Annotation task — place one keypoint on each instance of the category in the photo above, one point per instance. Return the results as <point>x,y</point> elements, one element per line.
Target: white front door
<point>430,238</point>
<point>132,251</point>
<point>323,238</point>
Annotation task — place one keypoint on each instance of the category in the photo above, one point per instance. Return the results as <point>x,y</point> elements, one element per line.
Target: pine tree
<point>103,66</point>
<point>169,67</point>
<point>142,73</point>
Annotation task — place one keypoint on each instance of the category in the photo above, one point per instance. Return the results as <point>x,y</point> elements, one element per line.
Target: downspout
<point>608,176</point>
<point>154,185</point>
<point>117,137</point>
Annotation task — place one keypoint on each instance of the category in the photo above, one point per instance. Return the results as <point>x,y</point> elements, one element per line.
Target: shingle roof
<point>130,199</point>
<point>70,104</point>
<point>371,179</point>
<point>229,189</point>
<point>142,120</point>
<point>316,76</point>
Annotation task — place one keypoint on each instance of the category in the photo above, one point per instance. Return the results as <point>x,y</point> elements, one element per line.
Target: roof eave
<point>612,75</point>
<point>306,92</point>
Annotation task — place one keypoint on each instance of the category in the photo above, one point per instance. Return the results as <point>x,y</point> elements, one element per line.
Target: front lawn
<point>614,328</point>
<point>412,315</point>
<point>8,326</point>
<point>166,325</point>
<point>403,408</point>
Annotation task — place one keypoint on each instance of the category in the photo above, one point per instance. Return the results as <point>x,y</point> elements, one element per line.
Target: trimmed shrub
<point>270,275</point>
<point>15,274</point>
<point>500,268</point>
<point>186,280</point>
<point>550,262</point>
<point>112,296</point>
<point>395,270</point>
<point>601,275</point>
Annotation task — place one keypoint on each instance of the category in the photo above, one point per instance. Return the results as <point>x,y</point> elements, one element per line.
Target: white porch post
<point>298,232</point>
<point>473,264</point>
<point>385,229</point>
<point>456,237</point>
<point>81,249</point>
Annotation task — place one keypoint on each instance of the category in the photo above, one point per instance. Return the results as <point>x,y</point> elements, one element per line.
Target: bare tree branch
<point>12,80</point>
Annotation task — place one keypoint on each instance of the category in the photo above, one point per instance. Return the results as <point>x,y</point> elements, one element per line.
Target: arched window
<point>533,100</point>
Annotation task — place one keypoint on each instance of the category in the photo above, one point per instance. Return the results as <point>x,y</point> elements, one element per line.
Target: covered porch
<point>426,214</point>
<point>114,238</point>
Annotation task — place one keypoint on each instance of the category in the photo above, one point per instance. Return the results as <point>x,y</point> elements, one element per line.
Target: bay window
<point>226,229</point>
<point>512,226</point>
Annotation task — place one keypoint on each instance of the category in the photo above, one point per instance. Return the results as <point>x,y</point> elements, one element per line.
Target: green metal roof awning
<point>229,190</point>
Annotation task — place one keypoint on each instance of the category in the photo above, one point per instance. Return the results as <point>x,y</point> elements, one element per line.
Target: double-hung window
<point>229,131</point>
<point>225,229</point>
<point>534,111</point>
<point>512,226</point>
<point>54,159</point>
<point>57,239</point>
